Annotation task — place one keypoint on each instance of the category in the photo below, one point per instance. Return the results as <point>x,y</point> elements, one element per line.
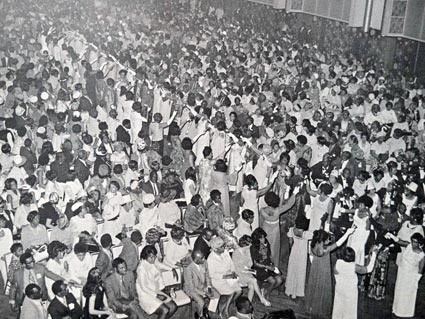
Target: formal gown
<point>297,265</point>
<point>251,202</point>
<point>346,293</point>
<point>319,287</point>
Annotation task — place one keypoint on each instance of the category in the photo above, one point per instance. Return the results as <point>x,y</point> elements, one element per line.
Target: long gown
<point>297,265</point>
<point>319,287</point>
<point>358,239</point>
<point>251,202</point>
<point>346,293</point>
<point>221,181</point>
<point>272,229</point>
<point>406,286</point>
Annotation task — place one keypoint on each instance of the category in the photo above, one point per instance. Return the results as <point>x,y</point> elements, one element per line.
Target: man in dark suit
<point>120,287</point>
<point>81,167</point>
<point>31,273</point>
<point>347,161</point>
<point>202,242</point>
<point>64,305</point>
<point>152,186</point>
<point>130,250</point>
<point>123,132</point>
<point>104,259</point>
<point>28,152</point>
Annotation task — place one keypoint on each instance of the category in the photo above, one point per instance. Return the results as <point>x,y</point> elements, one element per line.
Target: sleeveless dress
<point>318,209</point>
<point>319,287</point>
<point>346,293</point>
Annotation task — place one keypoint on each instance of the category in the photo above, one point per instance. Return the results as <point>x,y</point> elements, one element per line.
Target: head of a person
<point>114,187</point>
<point>348,255</point>
<point>149,254</point>
<point>187,144</point>
<point>207,234</point>
<point>220,166</point>
<point>245,241</point>
<point>207,152</point>
<point>120,266</point>
<point>319,237</point>
<point>56,249</point>
<point>325,189</point>
<point>10,184</point>
<point>248,216</point>
<point>417,241</point>
<point>251,181</point>
<point>281,314</point>
<point>177,234</point>
<point>259,237</point>
<point>272,199</point>
<point>33,218</point>
<point>196,200</point>
<point>80,250</point>
<point>215,196</point>
<point>106,241</point>
<point>244,305</point>
<point>416,216</point>
<point>17,249</point>
<point>217,245</point>
<point>33,291</point>
<point>198,257</point>
<point>136,237</point>
<point>190,174</point>
<point>60,288</point>
<point>27,260</point>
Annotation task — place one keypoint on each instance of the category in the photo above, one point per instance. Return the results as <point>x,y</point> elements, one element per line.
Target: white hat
<point>76,114</point>
<point>270,132</point>
<point>148,198</point>
<point>126,199</point>
<point>334,173</point>
<point>76,95</point>
<point>76,206</point>
<point>19,110</point>
<point>110,212</point>
<point>33,99</point>
<point>19,160</point>
<point>44,96</point>
<point>412,186</point>
<point>41,130</point>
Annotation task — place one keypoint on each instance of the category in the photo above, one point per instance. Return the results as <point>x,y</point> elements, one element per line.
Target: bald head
<point>198,257</point>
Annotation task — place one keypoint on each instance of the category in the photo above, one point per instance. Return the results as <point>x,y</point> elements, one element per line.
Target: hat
<point>44,96</point>
<point>33,99</point>
<point>134,185</point>
<point>126,199</point>
<point>270,132</point>
<point>19,110</point>
<point>76,206</point>
<point>19,160</point>
<point>148,198</point>
<point>41,130</point>
<point>76,114</point>
<point>412,186</point>
<point>110,212</point>
<point>334,173</point>
<point>76,95</point>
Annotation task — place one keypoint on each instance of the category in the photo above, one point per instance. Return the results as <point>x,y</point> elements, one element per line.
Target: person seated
<point>150,285</point>
<point>62,233</point>
<point>32,306</point>
<point>120,287</point>
<point>214,210</point>
<point>244,224</point>
<point>177,251</point>
<point>197,282</point>
<point>64,304</point>
<point>104,259</point>
<point>202,243</point>
<point>243,263</point>
<point>34,235</point>
<point>262,262</point>
<point>194,217</point>
<point>79,264</point>
<point>96,306</point>
<point>223,276</point>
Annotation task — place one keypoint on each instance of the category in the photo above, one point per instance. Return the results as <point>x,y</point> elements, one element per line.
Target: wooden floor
<point>368,308</point>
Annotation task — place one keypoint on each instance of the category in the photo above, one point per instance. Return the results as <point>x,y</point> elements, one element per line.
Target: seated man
<point>197,282</point>
<point>64,304</point>
<point>32,306</point>
<point>120,287</point>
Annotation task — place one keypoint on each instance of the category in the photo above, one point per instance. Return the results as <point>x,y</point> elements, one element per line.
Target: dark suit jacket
<point>104,264</point>
<point>123,135</point>
<point>201,245</point>
<point>82,170</point>
<point>112,288</point>
<point>17,289</point>
<point>352,165</point>
<point>130,254</point>
<point>31,159</point>
<point>148,188</point>
<point>57,310</point>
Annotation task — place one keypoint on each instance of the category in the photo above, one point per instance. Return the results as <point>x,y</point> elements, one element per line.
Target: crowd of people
<point>143,124</point>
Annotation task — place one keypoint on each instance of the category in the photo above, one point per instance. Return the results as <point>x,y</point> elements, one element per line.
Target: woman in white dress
<point>150,284</point>
<point>250,195</point>
<point>321,204</point>
<point>223,276</point>
<point>56,264</point>
<point>409,273</point>
<point>358,240</point>
<point>189,185</point>
<point>346,292</point>
<point>177,251</point>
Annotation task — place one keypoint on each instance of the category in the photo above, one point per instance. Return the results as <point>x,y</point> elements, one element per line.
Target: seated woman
<point>34,235</point>
<point>82,221</point>
<point>243,263</point>
<point>56,263</point>
<point>261,258</point>
<point>177,251</point>
<point>79,264</point>
<point>150,285</point>
<point>96,306</point>
<point>61,232</point>
<point>223,276</point>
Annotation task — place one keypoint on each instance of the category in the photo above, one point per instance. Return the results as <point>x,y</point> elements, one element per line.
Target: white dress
<point>406,286</point>
<point>149,283</point>
<point>358,239</point>
<point>251,202</point>
<point>319,209</point>
<point>220,265</point>
<point>346,294</point>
